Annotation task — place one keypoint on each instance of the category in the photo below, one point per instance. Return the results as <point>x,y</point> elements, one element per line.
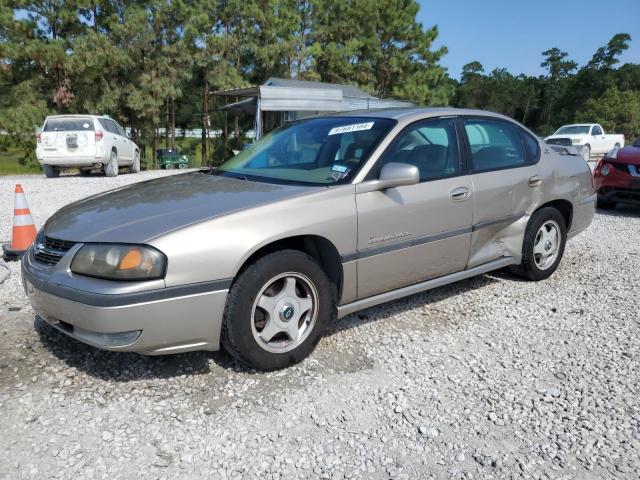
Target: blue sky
<point>511,34</point>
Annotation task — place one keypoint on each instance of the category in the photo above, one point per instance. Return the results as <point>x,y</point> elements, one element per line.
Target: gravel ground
<point>491,377</point>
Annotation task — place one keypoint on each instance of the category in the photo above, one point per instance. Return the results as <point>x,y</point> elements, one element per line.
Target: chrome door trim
<point>345,310</point>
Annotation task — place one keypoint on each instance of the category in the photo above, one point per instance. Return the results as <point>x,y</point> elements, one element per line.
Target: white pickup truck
<point>588,138</point>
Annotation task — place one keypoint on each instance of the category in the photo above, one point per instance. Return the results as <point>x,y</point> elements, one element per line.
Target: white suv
<point>85,142</point>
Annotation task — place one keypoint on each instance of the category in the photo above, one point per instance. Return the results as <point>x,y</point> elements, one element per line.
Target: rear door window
<point>68,124</point>
<point>494,145</point>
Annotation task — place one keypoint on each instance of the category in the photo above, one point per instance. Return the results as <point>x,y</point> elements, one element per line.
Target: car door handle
<point>459,194</point>
<point>535,181</point>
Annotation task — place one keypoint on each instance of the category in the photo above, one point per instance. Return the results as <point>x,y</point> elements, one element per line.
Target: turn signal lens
<point>132,259</point>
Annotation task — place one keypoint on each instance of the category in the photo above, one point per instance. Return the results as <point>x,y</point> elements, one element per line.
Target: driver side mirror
<point>392,175</point>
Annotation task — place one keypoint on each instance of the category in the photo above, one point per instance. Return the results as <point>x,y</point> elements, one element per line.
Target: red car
<point>617,177</point>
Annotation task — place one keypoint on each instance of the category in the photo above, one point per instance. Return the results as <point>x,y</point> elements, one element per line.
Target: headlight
<point>575,141</point>
<point>119,262</point>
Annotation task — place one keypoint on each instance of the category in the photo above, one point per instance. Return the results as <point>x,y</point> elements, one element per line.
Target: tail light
<point>39,137</point>
<point>99,135</point>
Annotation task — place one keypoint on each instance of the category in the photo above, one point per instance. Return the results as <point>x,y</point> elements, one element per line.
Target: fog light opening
<point>119,339</point>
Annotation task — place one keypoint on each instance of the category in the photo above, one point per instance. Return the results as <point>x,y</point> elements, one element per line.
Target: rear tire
<point>543,246</point>
<point>259,301</point>
<point>606,204</point>
<point>50,171</point>
<point>135,166</point>
<point>111,168</point>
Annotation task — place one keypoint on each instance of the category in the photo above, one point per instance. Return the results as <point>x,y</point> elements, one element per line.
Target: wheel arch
<point>564,207</point>
<point>318,247</point>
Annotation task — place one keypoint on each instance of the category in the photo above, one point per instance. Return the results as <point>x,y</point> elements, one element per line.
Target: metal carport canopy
<point>283,99</point>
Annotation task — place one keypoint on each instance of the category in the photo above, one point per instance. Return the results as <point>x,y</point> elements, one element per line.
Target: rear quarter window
<point>531,147</point>
<point>68,124</point>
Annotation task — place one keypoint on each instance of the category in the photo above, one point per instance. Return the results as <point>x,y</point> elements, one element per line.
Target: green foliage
<point>152,65</point>
<point>617,111</point>
<point>597,92</point>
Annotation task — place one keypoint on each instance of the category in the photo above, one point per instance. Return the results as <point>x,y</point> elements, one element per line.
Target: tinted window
<point>596,131</point>
<point>494,145</point>
<point>68,124</point>
<point>120,130</point>
<point>315,151</point>
<point>108,125</point>
<point>430,145</point>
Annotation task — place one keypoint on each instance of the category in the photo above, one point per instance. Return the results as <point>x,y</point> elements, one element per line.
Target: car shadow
<point>386,310</point>
<point>630,211</point>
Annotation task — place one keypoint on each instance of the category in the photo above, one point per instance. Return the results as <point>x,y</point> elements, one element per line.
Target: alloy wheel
<point>546,245</point>
<point>284,312</point>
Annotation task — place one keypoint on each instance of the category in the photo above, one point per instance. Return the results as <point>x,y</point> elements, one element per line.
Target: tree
<point>606,57</point>
<point>558,70</point>
<point>616,111</point>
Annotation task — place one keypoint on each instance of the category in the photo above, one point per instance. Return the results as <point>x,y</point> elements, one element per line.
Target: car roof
<point>404,112</point>
<point>67,115</point>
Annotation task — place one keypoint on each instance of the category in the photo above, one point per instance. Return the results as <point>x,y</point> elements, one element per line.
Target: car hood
<point>139,212</point>
<point>629,154</point>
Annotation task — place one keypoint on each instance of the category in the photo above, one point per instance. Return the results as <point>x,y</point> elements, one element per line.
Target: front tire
<point>586,152</point>
<point>50,171</point>
<point>277,310</point>
<point>543,246</point>
<point>111,168</point>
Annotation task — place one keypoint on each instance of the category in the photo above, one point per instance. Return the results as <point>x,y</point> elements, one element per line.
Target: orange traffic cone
<point>24,231</point>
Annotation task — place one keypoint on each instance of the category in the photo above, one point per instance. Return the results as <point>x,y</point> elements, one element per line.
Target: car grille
<point>566,142</point>
<point>51,250</point>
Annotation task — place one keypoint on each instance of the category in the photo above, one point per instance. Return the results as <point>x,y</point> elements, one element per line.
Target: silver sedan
<point>320,218</point>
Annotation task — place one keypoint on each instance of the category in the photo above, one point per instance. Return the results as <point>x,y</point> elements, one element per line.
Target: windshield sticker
<point>351,128</point>
<point>85,125</point>
<point>339,168</point>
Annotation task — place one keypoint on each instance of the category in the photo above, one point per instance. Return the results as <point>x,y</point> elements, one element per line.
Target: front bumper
<point>153,322</point>
<point>619,186</point>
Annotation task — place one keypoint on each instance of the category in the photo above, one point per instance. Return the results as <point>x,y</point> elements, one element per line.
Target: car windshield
<point>68,124</point>
<point>318,151</point>
<point>573,130</point>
